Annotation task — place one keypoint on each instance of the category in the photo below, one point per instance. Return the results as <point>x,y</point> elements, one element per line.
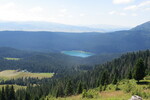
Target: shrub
<point>129,86</point>
<point>147,78</point>
<point>89,94</point>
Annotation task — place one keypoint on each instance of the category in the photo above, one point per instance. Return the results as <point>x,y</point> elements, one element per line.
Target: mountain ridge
<point>142,27</point>
<point>54,27</point>
<point>94,42</point>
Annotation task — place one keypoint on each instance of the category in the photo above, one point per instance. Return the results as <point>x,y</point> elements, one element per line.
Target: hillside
<point>11,58</point>
<point>113,42</point>
<point>111,76</point>
<point>142,27</point>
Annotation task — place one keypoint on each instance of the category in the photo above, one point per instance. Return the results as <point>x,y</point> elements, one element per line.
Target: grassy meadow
<point>123,90</point>
<point>14,74</point>
<point>8,58</point>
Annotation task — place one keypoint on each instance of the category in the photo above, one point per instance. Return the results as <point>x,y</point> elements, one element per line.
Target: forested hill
<point>11,58</point>
<point>104,74</point>
<point>112,42</point>
<point>76,81</point>
<point>117,69</point>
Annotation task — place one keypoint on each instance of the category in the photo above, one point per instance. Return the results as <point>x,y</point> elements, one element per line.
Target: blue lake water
<point>77,53</point>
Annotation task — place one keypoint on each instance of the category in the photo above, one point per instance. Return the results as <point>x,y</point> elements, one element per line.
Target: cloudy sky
<point>77,12</point>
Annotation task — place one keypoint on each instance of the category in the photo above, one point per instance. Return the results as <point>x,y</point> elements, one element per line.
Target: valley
<point>74,49</point>
<point>70,66</point>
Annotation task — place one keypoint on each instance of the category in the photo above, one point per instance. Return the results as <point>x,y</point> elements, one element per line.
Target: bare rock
<point>135,97</point>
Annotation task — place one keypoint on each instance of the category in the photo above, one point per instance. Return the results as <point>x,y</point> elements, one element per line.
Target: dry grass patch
<point>14,74</point>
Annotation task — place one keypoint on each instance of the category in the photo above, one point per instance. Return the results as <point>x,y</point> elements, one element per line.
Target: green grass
<point>14,74</point>
<point>126,88</point>
<point>106,95</point>
<point>8,58</point>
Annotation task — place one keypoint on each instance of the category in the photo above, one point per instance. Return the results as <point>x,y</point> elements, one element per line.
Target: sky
<point>77,12</point>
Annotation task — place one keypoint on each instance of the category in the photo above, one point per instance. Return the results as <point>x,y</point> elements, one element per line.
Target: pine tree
<point>69,88</point>
<point>100,88</point>
<point>115,80</point>
<point>129,75</point>
<point>7,90</point>
<point>79,88</point>
<point>12,93</point>
<point>3,94</point>
<point>27,96</point>
<point>139,70</point>
<point>104,78</point>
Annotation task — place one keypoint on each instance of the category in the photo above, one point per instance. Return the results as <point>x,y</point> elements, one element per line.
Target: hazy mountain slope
<point>46,26</point>
<point>113,42</point>
<point>110,28</point>
<point>143,27</point>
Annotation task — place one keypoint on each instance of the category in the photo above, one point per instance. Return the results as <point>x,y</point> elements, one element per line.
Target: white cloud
<point>36,9</point>
<point>134,14</point>
<point>14,12</point>
<point>61,15</point>
<point>147,9</point>
<point>63,10</point>
<point>122,1</point>
<point>117,13</point>
<point>146,3</point>
<point>81,15</point>
<point>112,12</point>
<point>70,16</point>
<point>122,14</point>
<point>133,7</point>
<point>138,6</point>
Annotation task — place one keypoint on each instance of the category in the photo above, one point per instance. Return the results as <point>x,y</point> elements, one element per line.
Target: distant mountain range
<point>143,27</point>
<point>56,27</point>
<point>109,28</point>
<point>135,39</point>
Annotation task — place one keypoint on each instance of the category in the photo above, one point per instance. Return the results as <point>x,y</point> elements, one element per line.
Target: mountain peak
<point>142,27</point>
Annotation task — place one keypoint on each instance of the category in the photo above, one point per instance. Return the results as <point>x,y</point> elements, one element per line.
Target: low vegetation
<point>123,90</point>
<point>116,80</point>
<point>15,74</point>
<point>8,58</point>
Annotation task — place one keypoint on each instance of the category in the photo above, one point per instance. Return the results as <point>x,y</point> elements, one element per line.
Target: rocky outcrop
<point>135,97</point>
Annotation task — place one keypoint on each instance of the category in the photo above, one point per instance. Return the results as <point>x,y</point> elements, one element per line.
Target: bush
<point>117,88</point>
<point>147,78</point>
<point>129,86</point>
<point>89,94</point>
<point>100,88</point>
<point>141,94</point>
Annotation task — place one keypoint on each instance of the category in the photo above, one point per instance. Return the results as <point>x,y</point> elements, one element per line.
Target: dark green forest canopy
<point>75,81</point>
<point>48,62</point>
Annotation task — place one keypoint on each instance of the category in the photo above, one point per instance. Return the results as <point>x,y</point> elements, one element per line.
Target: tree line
<point>131,65</point>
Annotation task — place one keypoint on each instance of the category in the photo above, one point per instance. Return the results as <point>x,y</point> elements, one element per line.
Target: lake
<point>77,53</point>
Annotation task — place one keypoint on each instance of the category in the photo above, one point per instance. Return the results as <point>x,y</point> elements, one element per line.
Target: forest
<point>77,80</point>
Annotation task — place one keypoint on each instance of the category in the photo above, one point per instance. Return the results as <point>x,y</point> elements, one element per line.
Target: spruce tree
<point>12,93</point>
<point>3,94</point>
<point>104,78</point>
<point>69,88</point>
<point>129,75</point>
<point>79,88</point>
<point>7,90</point>
<point>139,70</point>
<point>115,80</point>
